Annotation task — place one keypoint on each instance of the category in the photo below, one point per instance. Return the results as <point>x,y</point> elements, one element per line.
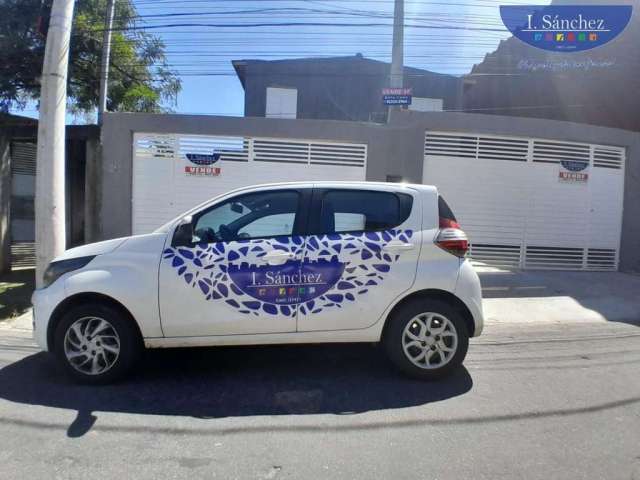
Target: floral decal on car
<point>337,269</point>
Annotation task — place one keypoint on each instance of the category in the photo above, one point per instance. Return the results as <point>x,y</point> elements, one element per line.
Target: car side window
<point>253,215</point>
<point>362,210</point>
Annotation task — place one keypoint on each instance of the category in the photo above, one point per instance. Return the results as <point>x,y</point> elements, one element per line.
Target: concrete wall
<point>395,149</point>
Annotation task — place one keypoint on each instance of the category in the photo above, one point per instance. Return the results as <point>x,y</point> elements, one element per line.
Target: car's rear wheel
<point>426,339</point>
<point>96,343</point>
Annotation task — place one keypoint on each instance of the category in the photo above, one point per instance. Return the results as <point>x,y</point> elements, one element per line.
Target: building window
<point>423,104</point>
<point>282,102</point>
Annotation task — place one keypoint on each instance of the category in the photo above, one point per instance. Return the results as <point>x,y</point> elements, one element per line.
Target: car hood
<point>98,248</point>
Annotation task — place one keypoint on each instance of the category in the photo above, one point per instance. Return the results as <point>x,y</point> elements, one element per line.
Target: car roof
<point>342,184</point>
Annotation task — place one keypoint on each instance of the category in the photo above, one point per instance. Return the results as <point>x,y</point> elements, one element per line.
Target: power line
<point>295,24</point>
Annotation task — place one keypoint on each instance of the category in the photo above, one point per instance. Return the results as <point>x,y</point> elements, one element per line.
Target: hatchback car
<point>284,263</point>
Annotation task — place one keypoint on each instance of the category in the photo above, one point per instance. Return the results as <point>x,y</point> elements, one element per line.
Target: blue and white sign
<point>203,158</point>
<point>566,28</point>
<point>573,171</point>
<point>396,96</point>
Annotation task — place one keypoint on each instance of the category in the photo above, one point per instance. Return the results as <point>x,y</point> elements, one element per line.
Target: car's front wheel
<point>426,339</point>
<point>96,343</point>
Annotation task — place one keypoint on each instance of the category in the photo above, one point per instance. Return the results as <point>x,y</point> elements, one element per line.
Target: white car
<point>315,262</point>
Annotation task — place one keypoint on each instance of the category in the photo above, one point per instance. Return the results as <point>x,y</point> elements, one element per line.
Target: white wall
<point>424,104</point>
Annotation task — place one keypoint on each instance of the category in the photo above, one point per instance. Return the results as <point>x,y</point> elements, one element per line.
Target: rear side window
<point>447,218</point>
<point>362,210</point>
<point>444,210</point>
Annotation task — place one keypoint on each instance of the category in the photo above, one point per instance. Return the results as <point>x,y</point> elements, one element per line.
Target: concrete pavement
<point>542,297</point>
<point>533,401</point>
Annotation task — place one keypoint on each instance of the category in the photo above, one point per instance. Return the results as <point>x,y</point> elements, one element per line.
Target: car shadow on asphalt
<point>215,383</point>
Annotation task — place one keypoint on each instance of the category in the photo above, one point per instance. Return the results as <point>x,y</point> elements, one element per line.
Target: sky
<point>441,36</point>
<point>460,33</point>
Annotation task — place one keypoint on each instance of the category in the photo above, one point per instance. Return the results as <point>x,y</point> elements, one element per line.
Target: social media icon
<point>312,289</point>
<point>571,37</point>
<point>262,292</point>
<point>282,291</point>
<point>301,291</point>
<point>559,37</point>
<point>537,37</point>
<point>593,37</point>
<point>548,37</point>
<point>582,37</point>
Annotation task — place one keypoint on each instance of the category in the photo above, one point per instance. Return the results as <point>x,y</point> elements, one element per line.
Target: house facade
<point>337,88</point>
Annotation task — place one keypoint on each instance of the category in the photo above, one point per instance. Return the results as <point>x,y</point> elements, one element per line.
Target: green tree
<point>140,79</point>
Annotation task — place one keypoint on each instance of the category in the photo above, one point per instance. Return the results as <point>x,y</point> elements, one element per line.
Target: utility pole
<point>397,51</point>
<point>106,54</point>
<point>396,76</point>
<point>50,163</point>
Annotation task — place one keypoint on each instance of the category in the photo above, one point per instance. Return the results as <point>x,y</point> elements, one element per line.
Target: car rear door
<point>361,254</point>
<point>240,273</point>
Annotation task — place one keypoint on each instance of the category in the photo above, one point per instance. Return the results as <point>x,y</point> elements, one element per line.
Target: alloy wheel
<point>430,340</point>
<point>91,345</point>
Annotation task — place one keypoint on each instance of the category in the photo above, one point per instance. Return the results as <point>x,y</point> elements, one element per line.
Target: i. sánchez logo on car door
<point>287,284</point>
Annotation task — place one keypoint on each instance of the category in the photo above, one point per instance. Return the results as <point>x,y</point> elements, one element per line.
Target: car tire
<point>426,339</point>
<point>97,343</point>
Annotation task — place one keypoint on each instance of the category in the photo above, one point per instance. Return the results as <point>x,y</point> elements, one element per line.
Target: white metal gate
<point>162,187</point>
<point>508,195</point>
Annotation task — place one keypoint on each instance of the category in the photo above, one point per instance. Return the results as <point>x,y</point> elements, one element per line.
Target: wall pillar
<point>92,191</point>
<point>5,204</point>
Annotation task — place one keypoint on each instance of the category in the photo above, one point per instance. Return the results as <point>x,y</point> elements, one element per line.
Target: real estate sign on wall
<point>396,96</point>
<point>572,171</point>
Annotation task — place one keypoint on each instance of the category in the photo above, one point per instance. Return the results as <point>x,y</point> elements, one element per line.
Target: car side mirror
<point>183,234</point>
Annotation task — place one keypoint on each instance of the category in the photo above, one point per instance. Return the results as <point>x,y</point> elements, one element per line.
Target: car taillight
<point>448,223</point>
<point>453,240</point>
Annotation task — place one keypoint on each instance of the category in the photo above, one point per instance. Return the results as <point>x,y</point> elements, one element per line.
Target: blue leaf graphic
<point>270,309</point>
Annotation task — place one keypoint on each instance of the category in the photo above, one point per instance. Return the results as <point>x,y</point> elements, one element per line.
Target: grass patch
<point>15,292</point>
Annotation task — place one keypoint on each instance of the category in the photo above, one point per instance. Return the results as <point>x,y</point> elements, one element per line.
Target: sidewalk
<point>21,323</point>
<point>559,297</point>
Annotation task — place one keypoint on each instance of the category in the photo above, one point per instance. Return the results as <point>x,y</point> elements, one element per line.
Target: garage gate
<point>514,199</point>
<point>173,173</point>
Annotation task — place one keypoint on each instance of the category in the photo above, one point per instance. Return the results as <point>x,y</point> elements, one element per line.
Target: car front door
<point>238,274</point>
<point>363,246</point>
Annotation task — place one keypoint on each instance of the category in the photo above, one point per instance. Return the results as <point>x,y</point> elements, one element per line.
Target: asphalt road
<point>534,401</point>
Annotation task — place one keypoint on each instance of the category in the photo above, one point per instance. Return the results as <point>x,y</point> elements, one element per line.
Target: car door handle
<point>277,257</point>
<point>396,245</point>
